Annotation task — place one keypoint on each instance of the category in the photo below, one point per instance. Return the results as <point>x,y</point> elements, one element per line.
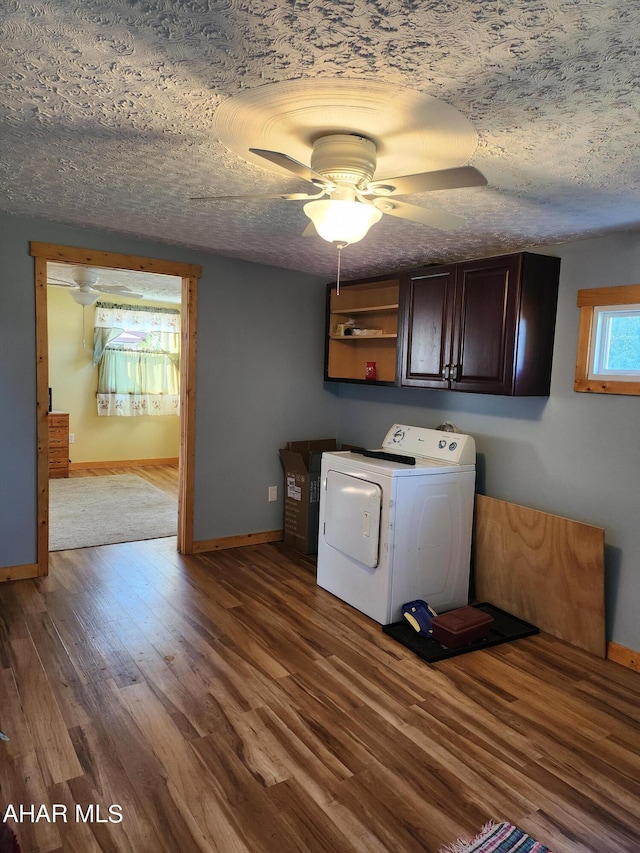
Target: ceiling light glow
<point>340,221</point>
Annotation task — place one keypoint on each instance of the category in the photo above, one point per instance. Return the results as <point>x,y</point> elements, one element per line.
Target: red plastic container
<point>459,627</point>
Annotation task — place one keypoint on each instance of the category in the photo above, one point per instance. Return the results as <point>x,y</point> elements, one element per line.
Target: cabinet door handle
<point>445,371</point>
<point>454,372</point>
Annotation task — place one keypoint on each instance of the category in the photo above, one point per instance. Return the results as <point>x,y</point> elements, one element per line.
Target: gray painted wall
<point>259,384</point>
<point>573,454</point>
<point>18,519</point>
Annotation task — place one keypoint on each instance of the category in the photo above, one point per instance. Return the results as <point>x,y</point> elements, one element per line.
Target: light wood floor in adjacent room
<point>225,703</point>
<point>164,477</point>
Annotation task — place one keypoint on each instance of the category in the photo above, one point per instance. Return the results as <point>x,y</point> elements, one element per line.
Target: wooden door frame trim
<point>189,273</point>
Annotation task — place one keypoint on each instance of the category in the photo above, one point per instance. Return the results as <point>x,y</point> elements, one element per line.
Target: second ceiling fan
<point>86,287</point>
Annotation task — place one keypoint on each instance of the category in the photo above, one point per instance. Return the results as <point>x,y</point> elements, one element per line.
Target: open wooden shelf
<point>372,304</point>
<point>357,338</point>
<point>372,309</point>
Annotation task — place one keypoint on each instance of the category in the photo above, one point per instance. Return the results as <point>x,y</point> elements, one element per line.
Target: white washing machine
<point>399,528</point>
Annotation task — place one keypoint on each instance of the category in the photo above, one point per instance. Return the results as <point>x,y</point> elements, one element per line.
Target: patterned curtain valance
<point>136,350</point>
<point>147,318</point>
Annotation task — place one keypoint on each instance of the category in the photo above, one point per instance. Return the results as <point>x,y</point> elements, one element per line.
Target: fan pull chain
<point>340,248</point>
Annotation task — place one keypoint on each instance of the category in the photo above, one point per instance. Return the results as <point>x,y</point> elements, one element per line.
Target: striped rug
<point>498,838</point>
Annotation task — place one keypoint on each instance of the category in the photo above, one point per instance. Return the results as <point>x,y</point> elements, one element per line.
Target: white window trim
<point>600,342</point>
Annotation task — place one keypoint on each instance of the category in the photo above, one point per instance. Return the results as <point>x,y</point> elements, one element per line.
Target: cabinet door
<point>428,296</point>
<point>487,298</point>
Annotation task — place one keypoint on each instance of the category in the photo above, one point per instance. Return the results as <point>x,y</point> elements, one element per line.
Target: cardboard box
<point>301,462</point>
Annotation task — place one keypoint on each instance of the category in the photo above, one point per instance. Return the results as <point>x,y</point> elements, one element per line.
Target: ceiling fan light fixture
<point>339,221</point>
<point>84,297</point>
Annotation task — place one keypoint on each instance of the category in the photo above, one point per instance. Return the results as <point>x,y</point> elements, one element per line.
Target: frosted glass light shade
<point>84,297</point>
<point>342,221</point>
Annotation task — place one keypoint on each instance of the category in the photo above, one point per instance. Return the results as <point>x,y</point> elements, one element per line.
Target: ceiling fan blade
<point>433,218</point>
<point>443,179</point>
<point>281,196</point>
<point>117,289</point>
<point>59,282</point>
<point>310,231</point>
<point>294,166</point>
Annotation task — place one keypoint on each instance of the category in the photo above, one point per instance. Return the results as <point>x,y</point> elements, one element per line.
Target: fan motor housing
<point>84,276</point>
<point>344,158</point>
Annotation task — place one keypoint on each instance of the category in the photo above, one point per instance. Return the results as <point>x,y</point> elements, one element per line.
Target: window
<point>615,343</point>
<point>609,340</point>
<point>136,350</point>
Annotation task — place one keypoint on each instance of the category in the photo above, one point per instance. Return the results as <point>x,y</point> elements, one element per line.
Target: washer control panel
<point>420,442</point>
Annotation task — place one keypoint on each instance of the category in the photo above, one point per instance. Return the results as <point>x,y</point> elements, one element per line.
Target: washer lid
<point>369,468</point>
<point>451,447</point>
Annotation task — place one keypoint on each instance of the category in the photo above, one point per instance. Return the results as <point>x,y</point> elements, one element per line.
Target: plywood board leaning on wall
<point>543,568</point>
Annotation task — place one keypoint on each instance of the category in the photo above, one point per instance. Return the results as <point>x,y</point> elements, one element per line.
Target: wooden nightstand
<point>58,444</point>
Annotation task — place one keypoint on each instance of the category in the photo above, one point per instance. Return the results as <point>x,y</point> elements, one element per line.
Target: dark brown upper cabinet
<point>484,326</point>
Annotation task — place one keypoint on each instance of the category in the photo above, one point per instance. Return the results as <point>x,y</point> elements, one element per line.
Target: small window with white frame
<point>615,343</point>
<point>609,340</point>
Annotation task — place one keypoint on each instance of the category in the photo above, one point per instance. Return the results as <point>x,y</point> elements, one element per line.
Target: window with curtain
<point>137,352</point>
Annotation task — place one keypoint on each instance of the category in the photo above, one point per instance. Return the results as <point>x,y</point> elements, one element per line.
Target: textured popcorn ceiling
<point>150,286</point>
<point>108,117</point>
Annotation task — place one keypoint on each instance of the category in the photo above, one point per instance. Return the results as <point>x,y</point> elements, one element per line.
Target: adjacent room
<point>328,315</point>
<point>114,421</point>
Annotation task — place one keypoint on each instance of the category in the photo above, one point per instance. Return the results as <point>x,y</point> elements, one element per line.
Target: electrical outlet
<point>72,438</point>
<point>273,493</point>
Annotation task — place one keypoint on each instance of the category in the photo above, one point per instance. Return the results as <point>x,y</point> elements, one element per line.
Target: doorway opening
<point>114,419</point>
<point>106,264</point>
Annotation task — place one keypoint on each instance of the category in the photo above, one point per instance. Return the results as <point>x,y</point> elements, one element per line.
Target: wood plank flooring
<point>164,477</point>
<point>224,702</point>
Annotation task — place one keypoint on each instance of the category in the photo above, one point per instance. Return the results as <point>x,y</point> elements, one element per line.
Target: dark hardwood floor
<point>225,703</point>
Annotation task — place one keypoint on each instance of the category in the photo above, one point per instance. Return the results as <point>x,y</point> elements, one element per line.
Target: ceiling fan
<point>348,201</point>
<point>85,287</point>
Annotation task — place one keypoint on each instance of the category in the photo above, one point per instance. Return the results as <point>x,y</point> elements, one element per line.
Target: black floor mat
<point>505,628</point>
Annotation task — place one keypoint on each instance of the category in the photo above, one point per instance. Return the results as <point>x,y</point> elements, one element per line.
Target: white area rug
<point>86,511</point>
